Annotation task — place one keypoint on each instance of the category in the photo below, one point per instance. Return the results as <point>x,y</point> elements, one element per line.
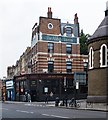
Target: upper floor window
<point>50,48</point>
<point>68,31</point>
<point>50,66</point>
<point>69,66</point>
<point>68,49</point>
<point>103,56</point>
<point>91,58</point>
<point>85,66</point>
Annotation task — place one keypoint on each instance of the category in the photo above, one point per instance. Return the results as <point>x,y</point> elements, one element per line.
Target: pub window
<point>68,49</point>
<point>50,66</point>
<point>103,56</point>
<point>91,58</point>
<point>50,48</point>
<point>69,66</point>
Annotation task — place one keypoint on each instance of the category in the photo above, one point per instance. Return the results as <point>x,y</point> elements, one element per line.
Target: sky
<point>17,18</point>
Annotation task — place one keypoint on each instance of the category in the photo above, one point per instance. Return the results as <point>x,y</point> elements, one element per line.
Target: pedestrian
<point>2,98</point>
<point>46,98</point>
<point>29,97</point>
<point>51,95</point>
<point>66,101</point>
<point>57,101</point>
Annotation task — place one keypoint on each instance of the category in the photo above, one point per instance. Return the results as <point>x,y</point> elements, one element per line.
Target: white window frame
<point>101,55</point>
<point>91,57</point>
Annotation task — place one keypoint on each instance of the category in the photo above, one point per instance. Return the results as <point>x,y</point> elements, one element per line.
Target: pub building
<point>55,62</point>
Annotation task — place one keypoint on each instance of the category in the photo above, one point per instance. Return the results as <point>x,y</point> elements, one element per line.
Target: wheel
<point>78,104</point>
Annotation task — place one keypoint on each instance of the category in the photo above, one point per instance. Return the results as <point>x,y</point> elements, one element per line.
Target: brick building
<point>54,61</point>
<point>0,89</point>
<point>10,71</point>
<point>98,63</point>
<point>55,46</point>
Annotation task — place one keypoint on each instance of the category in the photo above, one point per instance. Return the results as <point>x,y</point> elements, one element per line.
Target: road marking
<point>34,105</point>
<point>24,111</point>
<point>55,116</point>
<point>4,108</point>
<point>46,114</point>
<point>31,112</point>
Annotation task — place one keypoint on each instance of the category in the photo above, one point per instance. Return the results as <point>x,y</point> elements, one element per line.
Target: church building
<point>98,63</point>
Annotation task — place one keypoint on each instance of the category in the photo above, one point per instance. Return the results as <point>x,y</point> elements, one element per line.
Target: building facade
<point>55,46</point>
<point>10,71</point>
<point>53,63</point>
<point>0,89</point>
<point>10,92</point>
<point>98,63</point>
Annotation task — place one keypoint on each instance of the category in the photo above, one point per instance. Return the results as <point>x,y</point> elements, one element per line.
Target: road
<point>27,110</point>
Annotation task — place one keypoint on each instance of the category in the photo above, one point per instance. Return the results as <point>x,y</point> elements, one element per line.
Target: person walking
<point>29,97</point>
<point>46,98</point>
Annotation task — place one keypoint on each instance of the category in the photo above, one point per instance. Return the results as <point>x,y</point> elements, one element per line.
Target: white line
<point>46,114</point>
<point>31,112</point>
<point>59,116</point>
<point>22,111</point>
<point>55,116</point>
<point>5,108</point>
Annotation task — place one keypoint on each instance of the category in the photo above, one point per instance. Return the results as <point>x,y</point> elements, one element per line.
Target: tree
<point>83,43</point>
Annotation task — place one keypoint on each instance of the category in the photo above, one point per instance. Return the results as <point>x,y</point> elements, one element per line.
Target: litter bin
<point>57,101</point>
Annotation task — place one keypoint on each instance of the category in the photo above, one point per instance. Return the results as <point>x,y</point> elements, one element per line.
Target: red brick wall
<point>59,57</point>
<point>44,25</point>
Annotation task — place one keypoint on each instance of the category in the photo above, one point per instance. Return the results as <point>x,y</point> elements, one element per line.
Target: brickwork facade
<point>40,60</point>
<point>98,63</point>
<point>44,25</point>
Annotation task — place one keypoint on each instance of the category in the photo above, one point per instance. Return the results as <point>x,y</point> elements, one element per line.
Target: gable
<point>49,25</point>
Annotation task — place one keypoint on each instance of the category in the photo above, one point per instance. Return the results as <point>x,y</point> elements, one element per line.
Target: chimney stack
<point>49,13</point>
<point>76,19</point>
<point>106,12</point>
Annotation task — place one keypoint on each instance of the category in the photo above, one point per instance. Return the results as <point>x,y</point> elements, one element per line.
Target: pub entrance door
<point>33,95</point>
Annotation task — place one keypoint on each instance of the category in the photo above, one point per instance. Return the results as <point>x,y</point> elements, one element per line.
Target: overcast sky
<point>17,18</point>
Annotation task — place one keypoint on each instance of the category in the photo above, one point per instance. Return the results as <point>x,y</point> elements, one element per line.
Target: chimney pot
<point>106,11</point>
<point>107,5</point>
<point>49,13</point>
<point>76,19</point>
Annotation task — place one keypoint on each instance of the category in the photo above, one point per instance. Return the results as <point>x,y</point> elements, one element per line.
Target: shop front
<point>38,85</point>
<point>10,95</point>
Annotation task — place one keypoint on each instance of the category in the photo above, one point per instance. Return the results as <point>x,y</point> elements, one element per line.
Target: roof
<point>102,30</point>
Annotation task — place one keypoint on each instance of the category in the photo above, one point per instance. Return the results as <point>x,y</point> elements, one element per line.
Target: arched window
<point>91,58</point>
<point>103,56</point>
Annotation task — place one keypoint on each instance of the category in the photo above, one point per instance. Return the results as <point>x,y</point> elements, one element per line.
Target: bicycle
<point>74,103</point>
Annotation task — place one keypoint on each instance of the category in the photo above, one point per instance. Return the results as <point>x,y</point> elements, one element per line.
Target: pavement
<point>83,105</point>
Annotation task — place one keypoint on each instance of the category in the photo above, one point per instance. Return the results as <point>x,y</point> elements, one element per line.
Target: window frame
<point>91,62</point>
<point>68,46</point>
<point>50,47</point>
<point>50,66</point>
<point>103,58</point>
<point>68,31</point>
<point>68,65</point>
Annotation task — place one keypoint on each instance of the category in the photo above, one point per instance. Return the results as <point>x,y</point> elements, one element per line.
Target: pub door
<point>33,95</point>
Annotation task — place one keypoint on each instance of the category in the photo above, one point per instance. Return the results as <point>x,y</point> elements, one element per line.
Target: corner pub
<point>54,62</point>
